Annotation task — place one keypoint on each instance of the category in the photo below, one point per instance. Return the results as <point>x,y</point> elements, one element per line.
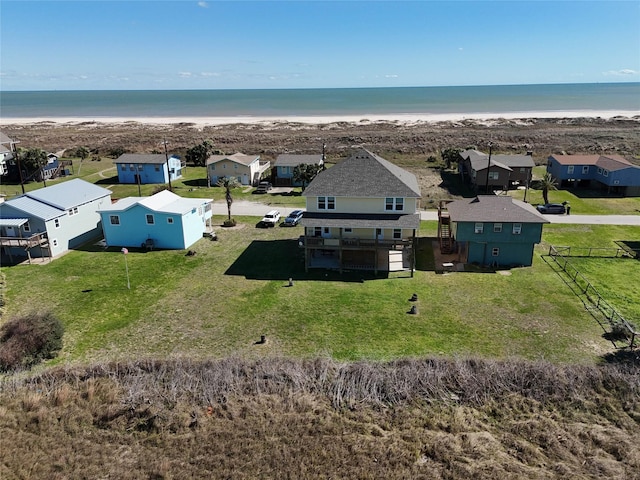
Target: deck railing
<point>321,242</point>
<point>34,240</point>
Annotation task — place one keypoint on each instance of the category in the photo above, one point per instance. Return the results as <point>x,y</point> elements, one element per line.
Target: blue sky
<point>78,45</point>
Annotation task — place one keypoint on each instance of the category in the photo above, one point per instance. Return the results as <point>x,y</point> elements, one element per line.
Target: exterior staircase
<point>445,236</point>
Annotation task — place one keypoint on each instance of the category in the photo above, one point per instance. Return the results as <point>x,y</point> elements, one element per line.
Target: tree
<point>199,154</point>
<point>83,153</point>
<point>450,155</point>
<point>228,183</point>
<point>305,172</point>
<point>31,161</point>
<point>547,183</point>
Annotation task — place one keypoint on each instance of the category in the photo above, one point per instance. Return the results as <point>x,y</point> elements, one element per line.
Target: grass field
<point>220,301</point>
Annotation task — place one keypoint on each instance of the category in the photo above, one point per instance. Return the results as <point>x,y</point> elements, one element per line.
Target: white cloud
<point>184,74</point>
<point>622,72</point>
<point>391,75</point>
<point>203,4</point>
<point>210,74</point>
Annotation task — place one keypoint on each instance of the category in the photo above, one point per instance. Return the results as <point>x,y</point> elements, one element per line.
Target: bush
<point>229,223</point>
<point>28,340</point>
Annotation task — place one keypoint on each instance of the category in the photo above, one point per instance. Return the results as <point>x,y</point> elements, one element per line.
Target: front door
<point>379,234</point>
<point>326,232</point>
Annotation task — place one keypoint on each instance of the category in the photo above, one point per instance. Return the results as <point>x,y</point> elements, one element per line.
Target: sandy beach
<point>402,118</point>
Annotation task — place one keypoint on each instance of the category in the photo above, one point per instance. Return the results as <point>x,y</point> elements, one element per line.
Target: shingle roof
<point>493,208</point>
<point>364,174</point>
<point>612,164</point>
<point>236,157</point>
<point>149,158</point>
<point>350,220</point>
<point>292,160</point>
<point>69,194</point>
<point>480,160</point>
<point>590,160</point>
<point>5,140</point>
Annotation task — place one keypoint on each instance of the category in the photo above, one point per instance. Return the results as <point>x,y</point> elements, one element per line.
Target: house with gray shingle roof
<point>494,230</point>
<point>362,214</point>
<point>500,172</point>
<point>148,168</point>
<point>612,173</point>
<point>247,169</point>
<point>285,164</point>
<point>49,221</point>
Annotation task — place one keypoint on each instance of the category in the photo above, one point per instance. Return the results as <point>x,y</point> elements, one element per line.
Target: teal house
<point>164,220</point>
<point>495,230</point>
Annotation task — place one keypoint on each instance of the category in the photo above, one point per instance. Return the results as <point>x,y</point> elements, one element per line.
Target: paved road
<point>255,209</point>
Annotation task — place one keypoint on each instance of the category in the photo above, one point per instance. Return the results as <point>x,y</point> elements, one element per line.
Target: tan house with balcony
<point>247,169</point>
<point>362,214</point>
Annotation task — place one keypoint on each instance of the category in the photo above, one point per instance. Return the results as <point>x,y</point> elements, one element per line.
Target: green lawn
<point>582,201</point>
<point>218,303</point>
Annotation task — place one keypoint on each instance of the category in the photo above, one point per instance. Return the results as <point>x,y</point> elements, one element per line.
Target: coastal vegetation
<point>214,365</point>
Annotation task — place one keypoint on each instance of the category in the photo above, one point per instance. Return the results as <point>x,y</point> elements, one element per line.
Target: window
<point>169,220</point>
<point>497,227</point>
<point>150,219</point>
<point>157,168</point>
<point>394,203</point>
<point>140,167</point>
<point>213,166</point>
<point>56,223</point>
<point>27,228</point>
<point>523,169</point>
<point>605,173</point>
<point>114,219</point>
<point>585,169</point>
<point>599,171</point>
<point>479,227</point>
<point>72,211</point>
<point>494,175</point>
<point>348,230</point>
<point>235,165</point>
<point>570,169</point>
<point>123,167</point>
<point>326,203</point>
<point>131,167</point>
<point>397,233</point>
<point>517,228</point>
<point>317,231</point>
<point>495,251</point>
<point>54,242</point>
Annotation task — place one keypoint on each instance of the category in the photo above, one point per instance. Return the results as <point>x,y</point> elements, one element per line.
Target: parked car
<point>551,208</point>
<point>293,218</point>
<point>271,219</point>
<point>263,187</point>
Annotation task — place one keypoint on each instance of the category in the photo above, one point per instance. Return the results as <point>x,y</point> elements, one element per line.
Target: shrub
<point>230,223</point>
<point>28,340</point>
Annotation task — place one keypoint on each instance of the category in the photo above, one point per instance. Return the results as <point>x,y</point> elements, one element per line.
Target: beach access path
<point>257,209</point>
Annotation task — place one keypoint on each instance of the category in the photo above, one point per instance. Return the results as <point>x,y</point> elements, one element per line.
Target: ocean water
<point>622,97</point>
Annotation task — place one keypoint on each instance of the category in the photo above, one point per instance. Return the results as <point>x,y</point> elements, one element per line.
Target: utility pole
<point>166,156</point>
<point>16,155</point>
<point>489,166</point>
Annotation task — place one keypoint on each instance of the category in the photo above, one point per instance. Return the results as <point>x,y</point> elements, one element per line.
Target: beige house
<point>247,169</point>
<point>362,214</point>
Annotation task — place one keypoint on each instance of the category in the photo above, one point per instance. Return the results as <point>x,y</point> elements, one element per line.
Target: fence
<point>603,252</point>
<point>615,319</point>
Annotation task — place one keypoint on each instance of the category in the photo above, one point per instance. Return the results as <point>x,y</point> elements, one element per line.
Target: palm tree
<point>547,183</point>
<point>305,172</point>
<point>228,183</point>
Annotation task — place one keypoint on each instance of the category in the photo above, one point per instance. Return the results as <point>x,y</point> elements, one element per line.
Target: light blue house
<point>285,163</point>
<point>49,221</point>
<point>164,220</point>
<point>612,173</point>
<point>148,168</point>
<point>495,230</point>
